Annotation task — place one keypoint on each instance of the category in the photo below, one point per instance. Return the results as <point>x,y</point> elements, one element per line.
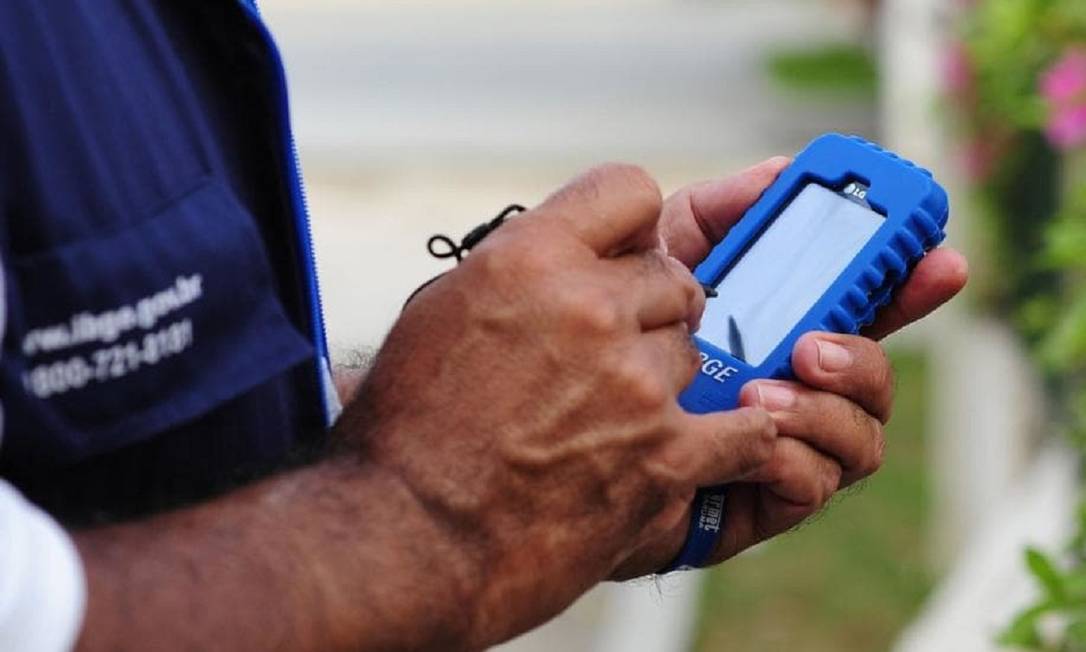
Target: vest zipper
<point>302,226</point>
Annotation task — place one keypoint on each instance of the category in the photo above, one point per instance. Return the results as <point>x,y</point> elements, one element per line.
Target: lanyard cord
<point>474,237</point>
<point>442,246</point>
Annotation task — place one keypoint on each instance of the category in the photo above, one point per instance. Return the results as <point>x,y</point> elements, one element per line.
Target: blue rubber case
<point>915,209</point>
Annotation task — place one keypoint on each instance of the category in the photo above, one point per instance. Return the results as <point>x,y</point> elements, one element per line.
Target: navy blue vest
<point>164,337</point>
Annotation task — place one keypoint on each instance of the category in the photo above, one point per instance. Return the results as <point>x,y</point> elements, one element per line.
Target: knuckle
<point>877,361</point>
<point>693,294</point>
<point>869,431</point>
<point>497,263</point>
<point>670,472</point>
<point>884,371</point>
<point>674,306</point>
<point>520,249</point>
<point>642,389</point>
<point>831,482</point>
<point>808,492</point>
<point>590,313</point>
<point>686,281</point>
<point>687,292</point>
<point>490,261</point>
<point>693,357</point>
<point>634,178</point>
<point>759,452</point>
<point>760,437</point>
<point>876,451</point>
<point>759,424</point>
<point>887,381</point>
<point>808,482</point>
<point>594,181</point>
<point>655,263</point>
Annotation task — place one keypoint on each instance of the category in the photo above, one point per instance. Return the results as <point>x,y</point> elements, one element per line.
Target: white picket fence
<point>994,492</point>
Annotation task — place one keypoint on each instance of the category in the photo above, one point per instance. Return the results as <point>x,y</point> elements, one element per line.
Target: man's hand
<point>518,440</point>
<point>830,421</point>
<point>528,400</point>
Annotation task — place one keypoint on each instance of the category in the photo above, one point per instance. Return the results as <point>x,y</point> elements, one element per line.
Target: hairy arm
<point>337,556</point>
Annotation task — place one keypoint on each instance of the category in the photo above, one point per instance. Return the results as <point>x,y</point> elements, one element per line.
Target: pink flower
<point>1064,86</point>
<point>1066,127</point>
<point>957,70</point>
<point>1065,81</point>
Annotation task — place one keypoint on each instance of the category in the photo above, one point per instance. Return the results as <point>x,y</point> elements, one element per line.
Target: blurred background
<point>415,118</point>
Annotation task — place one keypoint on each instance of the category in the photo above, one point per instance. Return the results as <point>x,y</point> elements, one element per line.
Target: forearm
<point>337,556</point>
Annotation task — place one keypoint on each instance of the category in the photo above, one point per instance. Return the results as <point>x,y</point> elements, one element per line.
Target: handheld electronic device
<point>822,249</point>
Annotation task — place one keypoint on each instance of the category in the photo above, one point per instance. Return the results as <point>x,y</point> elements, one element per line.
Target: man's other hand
<point>830,420</point>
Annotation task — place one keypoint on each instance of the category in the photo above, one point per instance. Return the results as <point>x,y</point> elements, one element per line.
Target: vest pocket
<point>113,339</point>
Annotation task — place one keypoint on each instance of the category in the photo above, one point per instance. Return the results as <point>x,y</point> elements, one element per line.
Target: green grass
<point>848,581</point>
<point>836,68</point>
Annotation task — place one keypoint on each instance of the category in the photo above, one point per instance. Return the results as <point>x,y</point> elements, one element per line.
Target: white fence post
<point>984,396</point>
<point>992,493</point>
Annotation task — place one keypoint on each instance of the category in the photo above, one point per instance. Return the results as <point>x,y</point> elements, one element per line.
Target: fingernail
<point>833,357</point>
<point>775,397</point>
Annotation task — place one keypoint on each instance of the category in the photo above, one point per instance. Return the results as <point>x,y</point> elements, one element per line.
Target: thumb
<point>699,216</point>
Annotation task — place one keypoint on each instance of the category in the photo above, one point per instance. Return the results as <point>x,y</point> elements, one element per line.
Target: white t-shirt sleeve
<point>42,588</point>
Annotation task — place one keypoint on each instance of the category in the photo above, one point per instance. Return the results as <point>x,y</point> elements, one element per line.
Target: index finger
<point>613,208</point>
<point>936,279</point>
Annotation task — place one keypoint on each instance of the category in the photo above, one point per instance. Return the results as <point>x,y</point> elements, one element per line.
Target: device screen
<point>786,270</point>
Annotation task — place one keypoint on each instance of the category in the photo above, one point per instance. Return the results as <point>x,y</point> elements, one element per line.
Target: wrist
<point>416,575</point>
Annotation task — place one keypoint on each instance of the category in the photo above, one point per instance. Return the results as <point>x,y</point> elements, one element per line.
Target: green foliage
<point>1009,42</point>
<point>1022,632</point>
<point>1061,345</point>
<point>1063,599</point>
<point>1045,572</point>
<point>1033,199</point>
<point>1006,46</point>
<point>832,68</point>
<point>1017,199</point>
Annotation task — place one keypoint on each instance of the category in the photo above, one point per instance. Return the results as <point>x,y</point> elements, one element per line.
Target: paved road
<point>415,118</point>
<point>529,82</point>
